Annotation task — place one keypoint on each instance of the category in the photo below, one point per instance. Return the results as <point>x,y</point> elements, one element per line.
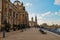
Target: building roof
<point>17,2</point>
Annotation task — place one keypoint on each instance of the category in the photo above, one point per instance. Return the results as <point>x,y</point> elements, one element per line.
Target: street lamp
<point>3,25</point>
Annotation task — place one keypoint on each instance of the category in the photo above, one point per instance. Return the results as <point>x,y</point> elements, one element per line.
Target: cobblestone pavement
<point>29,34</point>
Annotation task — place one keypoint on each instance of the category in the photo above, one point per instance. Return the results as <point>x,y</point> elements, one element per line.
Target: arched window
<point>10,12</point>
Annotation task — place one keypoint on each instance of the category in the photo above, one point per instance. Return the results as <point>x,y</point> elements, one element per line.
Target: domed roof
<point>17,2</point>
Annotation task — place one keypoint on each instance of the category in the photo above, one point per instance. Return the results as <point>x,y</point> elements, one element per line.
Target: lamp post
<point>3,30</point>
<point>3,25</point>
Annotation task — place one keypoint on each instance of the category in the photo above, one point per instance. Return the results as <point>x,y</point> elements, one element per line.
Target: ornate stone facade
<point>14,13</point>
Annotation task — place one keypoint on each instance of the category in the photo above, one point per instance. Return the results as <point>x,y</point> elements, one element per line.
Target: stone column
<point>7,12</point>
<point>12,20</point>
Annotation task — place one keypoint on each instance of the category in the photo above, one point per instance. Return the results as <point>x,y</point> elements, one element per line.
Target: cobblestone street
<point>29,34</point>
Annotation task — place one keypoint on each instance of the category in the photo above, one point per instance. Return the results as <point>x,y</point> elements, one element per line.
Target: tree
<point>44,25</point>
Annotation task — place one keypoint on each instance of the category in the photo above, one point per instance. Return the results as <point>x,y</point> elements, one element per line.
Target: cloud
<point>57,13</point>
<point>41,17</point>
<point>28,4</point>
<point>46,14</point>
<point>57,2</point>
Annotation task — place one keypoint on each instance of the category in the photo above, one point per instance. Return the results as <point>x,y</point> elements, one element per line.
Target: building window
<point>23,14</point>
<point>13,14</point>
<point>10,12</point>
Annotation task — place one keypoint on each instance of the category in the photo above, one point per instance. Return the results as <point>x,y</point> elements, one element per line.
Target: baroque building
<point>13,13</point>
<point>33,23</point>
<point>23,15</point>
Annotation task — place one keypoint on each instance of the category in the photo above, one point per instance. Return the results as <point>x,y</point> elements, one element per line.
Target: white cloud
<point>46,14</point>
<point>57,2</point>
<point>28,4</point>
<point>41,19</point>
<point>57,13</point>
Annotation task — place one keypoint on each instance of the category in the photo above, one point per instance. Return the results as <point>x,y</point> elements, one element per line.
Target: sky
<point>47,11</point>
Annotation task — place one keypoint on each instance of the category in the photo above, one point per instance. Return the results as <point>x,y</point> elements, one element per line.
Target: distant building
<point>33,23</point>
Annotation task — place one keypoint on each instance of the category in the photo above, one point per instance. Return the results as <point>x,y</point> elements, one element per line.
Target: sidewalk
<point>30,34</point>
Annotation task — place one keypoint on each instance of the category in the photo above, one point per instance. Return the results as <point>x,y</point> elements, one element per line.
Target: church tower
<point>32,19</point>
<point>36,21</point>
